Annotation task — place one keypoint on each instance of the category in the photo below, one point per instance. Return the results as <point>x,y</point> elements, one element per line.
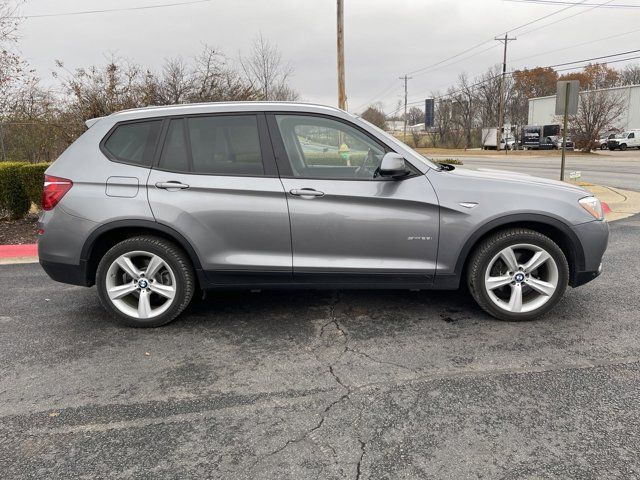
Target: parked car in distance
<point>629,139</point>
<point>603,142</point>
<point>152,205</point>
<point>557,143</point>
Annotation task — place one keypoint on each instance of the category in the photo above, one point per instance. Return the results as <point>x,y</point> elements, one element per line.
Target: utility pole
<point>405,78</point>
<point>504,40</point>
<point>342,96</point>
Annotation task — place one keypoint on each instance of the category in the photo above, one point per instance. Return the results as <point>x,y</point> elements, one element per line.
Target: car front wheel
<point>517,274</point>
<point>145,281</point>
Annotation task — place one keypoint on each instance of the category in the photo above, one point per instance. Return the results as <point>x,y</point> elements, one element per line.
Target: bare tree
<point>487,96</point>
<point>415,115</point>
<point>597,112</point>
<point>11,65</point>
<point>375,115</point>
<point>176,82</point>
<point>463,108</point>
<point>445,134</point>
<point>267,72</point>
<point>630,75</point>
<point>215,81</point>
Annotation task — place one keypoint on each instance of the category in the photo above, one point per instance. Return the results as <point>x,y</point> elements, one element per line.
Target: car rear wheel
<point>517,274</point>
<point>623,146</point>
<point>145,281</point>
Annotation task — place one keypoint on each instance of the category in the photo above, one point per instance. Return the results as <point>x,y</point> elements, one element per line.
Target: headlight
<point>593,206</point>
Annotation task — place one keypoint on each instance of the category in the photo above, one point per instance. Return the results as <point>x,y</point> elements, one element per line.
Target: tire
<point>603,147</point>
<point>139,300</point>
<point>623,146</point>
<point>487,262</point>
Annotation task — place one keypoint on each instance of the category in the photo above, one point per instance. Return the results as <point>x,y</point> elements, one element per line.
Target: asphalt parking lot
<point>304,385</point>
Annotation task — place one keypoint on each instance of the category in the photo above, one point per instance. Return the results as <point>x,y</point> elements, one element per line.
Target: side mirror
<point>393,165</point>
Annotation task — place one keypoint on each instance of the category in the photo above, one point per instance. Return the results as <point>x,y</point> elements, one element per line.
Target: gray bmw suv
<point>154,204</point>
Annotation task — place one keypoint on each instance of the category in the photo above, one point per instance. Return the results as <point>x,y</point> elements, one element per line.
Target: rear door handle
<point>306,192</point>
<point>172,184</point>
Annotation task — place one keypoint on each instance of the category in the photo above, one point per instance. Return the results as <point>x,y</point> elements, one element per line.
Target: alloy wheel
<point>521,278</point>
<point>141,284</point>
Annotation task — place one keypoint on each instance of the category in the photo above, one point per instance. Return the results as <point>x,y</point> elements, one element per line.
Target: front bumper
<point>594,238</point>
<point>580,278</point>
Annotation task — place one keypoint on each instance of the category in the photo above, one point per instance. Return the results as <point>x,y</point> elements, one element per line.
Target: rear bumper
<point>67,273</point>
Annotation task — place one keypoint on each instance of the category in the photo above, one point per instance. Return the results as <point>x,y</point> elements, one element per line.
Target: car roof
<point>225,107</point>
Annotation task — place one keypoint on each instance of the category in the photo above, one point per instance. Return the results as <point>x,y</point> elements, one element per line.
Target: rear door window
<point>213,145</point>
<point>225,145</point>
<point>133,143</point>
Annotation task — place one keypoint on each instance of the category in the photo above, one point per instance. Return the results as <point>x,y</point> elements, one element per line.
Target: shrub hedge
<point>20,185</point>
<point>32,175</point>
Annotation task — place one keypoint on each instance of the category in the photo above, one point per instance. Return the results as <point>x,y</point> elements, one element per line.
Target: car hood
<point>513,177</point>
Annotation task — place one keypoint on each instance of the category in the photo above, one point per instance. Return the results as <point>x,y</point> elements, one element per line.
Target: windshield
<point>622,135</point>
<point>417,155</point>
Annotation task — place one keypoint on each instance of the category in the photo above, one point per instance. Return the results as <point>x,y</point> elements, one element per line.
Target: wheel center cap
<point>519,277</point>
<point>142,283</point>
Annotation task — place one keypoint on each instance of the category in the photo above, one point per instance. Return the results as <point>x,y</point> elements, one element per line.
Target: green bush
<point>32,175</point>
<point>450,161</point>
<point>14,200</point>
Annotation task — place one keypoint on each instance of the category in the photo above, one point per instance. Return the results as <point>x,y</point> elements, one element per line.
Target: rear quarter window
<point>133,143</point>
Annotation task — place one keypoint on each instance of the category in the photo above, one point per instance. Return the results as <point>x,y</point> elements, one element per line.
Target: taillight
<point>54,190</point>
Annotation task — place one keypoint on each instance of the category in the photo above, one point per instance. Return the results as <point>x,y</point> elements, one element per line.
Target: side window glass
<point>174,155</point>
<point>134,143</point>
<point>323,148</point>
<point>632,135</point>
<point>225,145</point>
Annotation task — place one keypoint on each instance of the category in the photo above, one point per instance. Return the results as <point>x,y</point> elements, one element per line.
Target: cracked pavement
<point>326,385</point>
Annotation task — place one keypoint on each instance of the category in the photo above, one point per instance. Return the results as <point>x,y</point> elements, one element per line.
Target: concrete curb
<point>18,253</point>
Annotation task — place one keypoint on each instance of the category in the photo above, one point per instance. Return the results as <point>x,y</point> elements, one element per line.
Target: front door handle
<point>306,192</point>
<point>172,184</point>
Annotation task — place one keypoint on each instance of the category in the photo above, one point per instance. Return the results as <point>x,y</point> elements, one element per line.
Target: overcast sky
<point>383,38</point>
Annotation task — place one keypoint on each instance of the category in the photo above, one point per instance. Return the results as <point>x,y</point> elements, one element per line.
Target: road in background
<point>331,385</point>
<point>614,169</point>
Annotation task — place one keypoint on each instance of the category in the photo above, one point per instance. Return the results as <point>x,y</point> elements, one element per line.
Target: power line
<point>593,58</point>
<point>110,10</point>
<point>482,82</point>
<point>559,20</point>
<point>579,44</point>
<point>428,67</point>
<point>567,17</point>
<point>559,2</point>
<point>382,92</point>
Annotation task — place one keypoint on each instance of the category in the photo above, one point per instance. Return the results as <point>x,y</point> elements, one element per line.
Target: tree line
<point>37,122</point>
<point>472,103</point>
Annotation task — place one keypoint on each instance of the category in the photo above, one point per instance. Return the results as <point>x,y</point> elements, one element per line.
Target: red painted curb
<point>605,208</point>
<point>13,251</point>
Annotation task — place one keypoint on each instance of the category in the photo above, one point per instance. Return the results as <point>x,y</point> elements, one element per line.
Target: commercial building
<point>542,109</point>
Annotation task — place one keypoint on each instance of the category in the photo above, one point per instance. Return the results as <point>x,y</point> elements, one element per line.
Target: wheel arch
<point>107,235</point>
<point>556,230</point>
